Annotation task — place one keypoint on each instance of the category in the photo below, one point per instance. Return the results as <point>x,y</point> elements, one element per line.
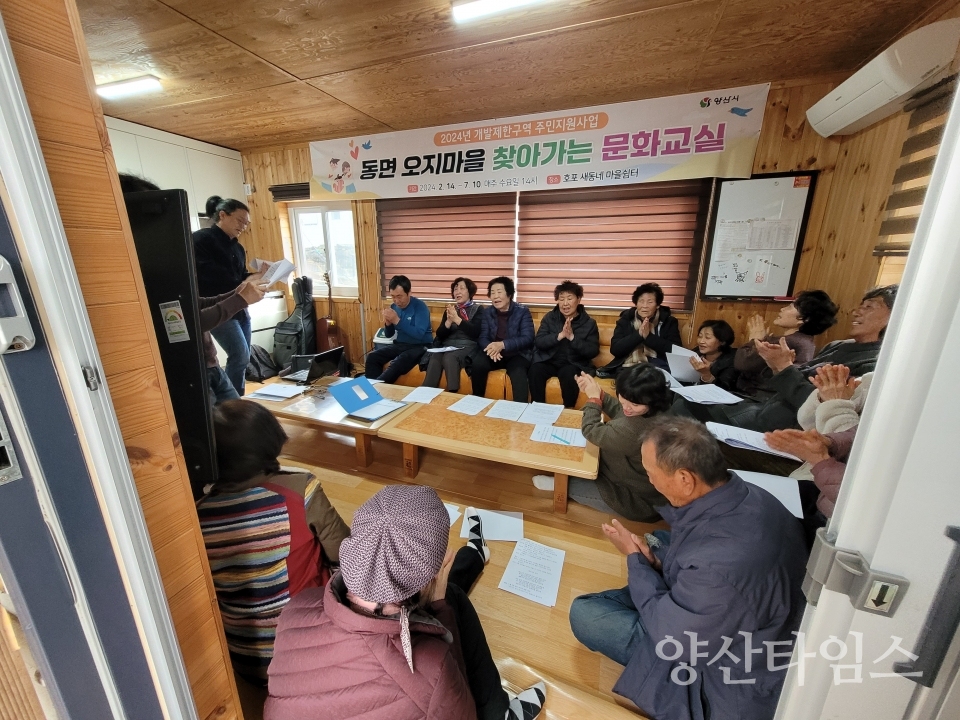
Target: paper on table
<point>743,438</point>
<point>540,414</point>
<point>534,572</point>
<point>707,395</point>
<point>571,437</point>
<point>470,404</point>
<point>784,489</point>
<point>506,410</point>
<point>453,511</point>
<point>681,368</point>
<point>670,378</point>
<point>279,270</point>
<point>448,348</point>
<point>422,395</point>
<point>677,350</point>
<point>498,525</point>
<point>276,391</point>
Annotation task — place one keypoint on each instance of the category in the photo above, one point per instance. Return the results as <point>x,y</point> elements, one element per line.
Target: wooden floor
<point>528,640</point>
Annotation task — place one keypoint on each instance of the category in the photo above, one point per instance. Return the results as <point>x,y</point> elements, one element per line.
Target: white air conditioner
<point>882,86</point>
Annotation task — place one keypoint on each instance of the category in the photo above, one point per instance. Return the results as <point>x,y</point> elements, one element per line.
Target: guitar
<point>328,331</point>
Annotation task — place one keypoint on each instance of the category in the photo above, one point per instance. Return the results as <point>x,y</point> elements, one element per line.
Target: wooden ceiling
<point>258,73</point>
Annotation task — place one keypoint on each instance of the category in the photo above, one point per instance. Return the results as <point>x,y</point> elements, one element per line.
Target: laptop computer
<point>361,400</point>
<point>307,368</point>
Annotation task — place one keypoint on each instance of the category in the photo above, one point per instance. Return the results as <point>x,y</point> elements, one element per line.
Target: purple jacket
<point>332,662</point>
<point>828,474</point>
<point>519,340</point>
<point>734,565</point>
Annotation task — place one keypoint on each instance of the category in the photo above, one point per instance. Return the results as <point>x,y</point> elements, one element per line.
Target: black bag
<point>297,335</point>
<point>261,365</point>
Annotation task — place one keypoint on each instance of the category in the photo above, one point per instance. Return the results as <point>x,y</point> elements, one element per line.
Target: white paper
<point>743,438</point>
<point>678,350</point>
<point>534,572</point>
<point>707,394</point>
<point>448,348</point>
<point>784,489</point>
<point>453,511</point>
<point>670,378</point>
<point>681,368</point>
<point>541,414</point>
<point>378,409</point>
<point>423,395</point>
<point>279,270</point>
<point>276,391</point>
<point>506,526</point>
<point>571,437</point>
<point>470,404</point>
<point>507,410</point>
<point>730,237</point>
<point>773,235</point>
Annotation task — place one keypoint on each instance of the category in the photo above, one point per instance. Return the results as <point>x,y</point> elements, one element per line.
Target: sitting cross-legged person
<point>506,340</point>
<point>459,328</point>
<point>789,386</point>
<point>622,486</point>
<point>407,321</point>
<point>715,354</point>
<point>270,532</point>
<point>567,341</point>
<point>727,584</point>
<point>394,635</point>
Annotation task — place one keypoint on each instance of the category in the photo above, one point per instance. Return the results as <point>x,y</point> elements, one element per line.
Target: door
<point>899,505</point>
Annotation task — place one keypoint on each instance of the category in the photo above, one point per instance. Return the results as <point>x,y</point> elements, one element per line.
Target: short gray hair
<point>686,444</point>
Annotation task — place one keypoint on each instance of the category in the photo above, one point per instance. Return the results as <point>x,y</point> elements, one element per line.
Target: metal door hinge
<point>91,377</point>
<point>16,333</point>
<point>847,572</point>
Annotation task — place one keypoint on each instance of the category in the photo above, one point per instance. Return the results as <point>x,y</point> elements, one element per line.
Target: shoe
<point>475,533</point>
<point>528,704</point>
<point>543,482</point>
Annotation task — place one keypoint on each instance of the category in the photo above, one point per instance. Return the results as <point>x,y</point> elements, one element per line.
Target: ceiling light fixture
<point>473,9</point>
<point>133,86</point>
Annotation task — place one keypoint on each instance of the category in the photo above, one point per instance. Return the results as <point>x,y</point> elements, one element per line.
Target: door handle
<point>16,333</point>
<point>941,623</point>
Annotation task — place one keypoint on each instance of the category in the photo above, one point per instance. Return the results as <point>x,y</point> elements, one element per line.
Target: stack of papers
<point>534,572</point>
<point>707,395</point>
<point>470,404</point>
<point>422,395</point>
<point>743,438</point>
<point>541,414</point>
<point>571,437</point>
<point>278,270</point>
<point>679,362</point>
<point>671,380</point>
<point>784,489</point>
<point>448,348</point>
<point>277,392</point>
<point>498,525</point>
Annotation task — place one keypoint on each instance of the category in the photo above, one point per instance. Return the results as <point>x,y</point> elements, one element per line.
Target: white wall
<point>175,162</point>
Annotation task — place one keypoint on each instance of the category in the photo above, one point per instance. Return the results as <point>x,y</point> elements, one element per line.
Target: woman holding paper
<point>393,634</point>
<point>459,329</point>
<point>715,354</point>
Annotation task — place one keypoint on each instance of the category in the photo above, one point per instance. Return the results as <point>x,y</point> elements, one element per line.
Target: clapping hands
<point>628,543</point>
<point>833,382</point>
<point>778,356</point>
<point>808,445</point>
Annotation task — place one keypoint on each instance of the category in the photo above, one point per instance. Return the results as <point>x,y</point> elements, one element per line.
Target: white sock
<point>543,482</point>
<point>528,704</point>
<point>475,533</point>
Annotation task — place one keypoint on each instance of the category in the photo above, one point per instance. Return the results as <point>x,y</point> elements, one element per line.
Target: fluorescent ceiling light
<point>473,9</point>
<point>133,86</point>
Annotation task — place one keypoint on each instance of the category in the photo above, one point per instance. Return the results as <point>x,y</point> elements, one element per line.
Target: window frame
<point>320,288</point>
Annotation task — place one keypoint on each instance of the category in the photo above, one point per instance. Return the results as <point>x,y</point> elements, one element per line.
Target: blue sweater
<point>414,326</point>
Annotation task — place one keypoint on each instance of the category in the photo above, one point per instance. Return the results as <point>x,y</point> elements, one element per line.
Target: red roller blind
<point>610,240</point>
<point>433,241</point>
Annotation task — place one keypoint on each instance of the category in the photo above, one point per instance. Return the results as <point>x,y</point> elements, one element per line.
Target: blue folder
<point>361,400</point>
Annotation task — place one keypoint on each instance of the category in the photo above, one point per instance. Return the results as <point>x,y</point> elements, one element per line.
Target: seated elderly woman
<point>393,635</point>
<point>715,353</point>
<point>566,343</point>
<point>269,532</point>
<point>459,328</point>
<point>645,332</point>
<point>622,486</point>
<point>811,313</point>
<point>506,340</point>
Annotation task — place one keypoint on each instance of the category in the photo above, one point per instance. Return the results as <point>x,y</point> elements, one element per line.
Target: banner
<point>674,138</point>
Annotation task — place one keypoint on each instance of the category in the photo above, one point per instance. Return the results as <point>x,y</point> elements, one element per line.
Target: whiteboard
<point>755,244</point>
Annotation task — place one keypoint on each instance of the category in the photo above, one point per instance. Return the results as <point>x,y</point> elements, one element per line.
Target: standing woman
<point>459,328</point>
<point>221,267</point>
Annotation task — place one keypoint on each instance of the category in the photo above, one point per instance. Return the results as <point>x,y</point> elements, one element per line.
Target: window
<point>323,240</point>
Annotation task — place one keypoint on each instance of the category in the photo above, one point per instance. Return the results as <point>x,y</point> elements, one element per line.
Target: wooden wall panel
<point>55,73</point>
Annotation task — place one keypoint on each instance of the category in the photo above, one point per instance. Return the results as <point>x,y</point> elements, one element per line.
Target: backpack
<point>297,335</point>
<point>261,365</point>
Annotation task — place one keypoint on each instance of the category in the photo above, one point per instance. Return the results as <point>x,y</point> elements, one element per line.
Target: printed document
<point>784,489</point>
<point>571,437</point>
<point>743,438</point>
<point>507,410</point>
<point>279,270</point>
<point>448,348</point>
<point>541,414</point>
<point>707,394</point>
<point>534,572</point>
<point>681,368</point>
<point>276,391</point>
<point>470,404</point>
<point>422,395</point>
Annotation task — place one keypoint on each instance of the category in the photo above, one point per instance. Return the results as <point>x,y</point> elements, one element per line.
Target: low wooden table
<point>434,426</point>
<point>326,412</point>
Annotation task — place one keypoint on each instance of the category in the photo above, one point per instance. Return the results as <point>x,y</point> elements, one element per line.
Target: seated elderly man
<point>790,385</point>
<point>700,615</point>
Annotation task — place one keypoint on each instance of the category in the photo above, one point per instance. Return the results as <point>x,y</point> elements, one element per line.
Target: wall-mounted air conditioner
<point>882,86</point>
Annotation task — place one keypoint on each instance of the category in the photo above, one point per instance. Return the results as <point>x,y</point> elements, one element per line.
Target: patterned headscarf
<point>396,546</point>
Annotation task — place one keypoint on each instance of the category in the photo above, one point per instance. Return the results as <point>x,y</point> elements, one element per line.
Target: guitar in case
<point>297,335</point>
